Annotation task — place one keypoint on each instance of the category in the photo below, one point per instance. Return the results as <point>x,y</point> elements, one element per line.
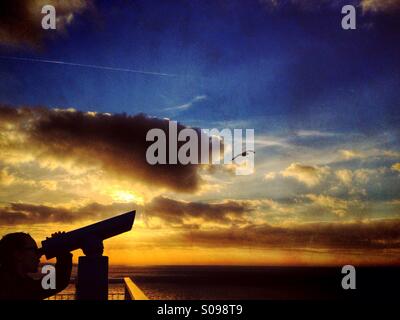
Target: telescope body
<point>90,234</point>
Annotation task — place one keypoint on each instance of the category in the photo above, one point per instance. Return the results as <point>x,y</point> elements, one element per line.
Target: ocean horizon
<point>207,282</point>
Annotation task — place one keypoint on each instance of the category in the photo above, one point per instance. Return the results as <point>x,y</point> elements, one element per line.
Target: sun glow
<point>125,196</point>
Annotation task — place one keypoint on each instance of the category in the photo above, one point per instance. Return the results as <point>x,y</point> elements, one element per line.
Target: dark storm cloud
<point>169,210</point>
<point>380,234</point>
<point>17,24</point>
<point>20,20</point>
<point>23,213</point>
<point>117,142</point>
<point>8,114</point>
<point>341,236</point>
<point>174,211</point>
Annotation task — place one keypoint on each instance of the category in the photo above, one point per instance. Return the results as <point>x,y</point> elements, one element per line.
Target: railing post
<point>127,295</point>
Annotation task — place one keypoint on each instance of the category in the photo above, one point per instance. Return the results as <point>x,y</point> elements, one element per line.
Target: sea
<point>253,282</point>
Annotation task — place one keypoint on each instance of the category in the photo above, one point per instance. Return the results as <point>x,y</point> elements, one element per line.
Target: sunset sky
<point>76,104</point>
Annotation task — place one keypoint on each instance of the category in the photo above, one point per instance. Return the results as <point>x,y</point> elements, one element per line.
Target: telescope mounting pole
<point>92,279</point>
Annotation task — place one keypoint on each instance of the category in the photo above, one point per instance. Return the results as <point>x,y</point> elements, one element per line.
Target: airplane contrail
<point>91,66</point>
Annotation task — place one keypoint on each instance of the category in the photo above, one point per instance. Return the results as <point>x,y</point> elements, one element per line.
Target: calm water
<point>229,282</point>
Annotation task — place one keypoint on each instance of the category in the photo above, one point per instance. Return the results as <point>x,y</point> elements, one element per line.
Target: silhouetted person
<point>19,257</point>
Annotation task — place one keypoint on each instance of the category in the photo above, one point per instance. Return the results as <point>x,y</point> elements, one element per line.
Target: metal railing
<point>71,296</point>
<point>62,296</point>
<point>130,292</point>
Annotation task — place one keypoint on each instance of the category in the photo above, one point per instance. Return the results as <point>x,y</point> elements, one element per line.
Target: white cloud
<point>345,176</point>
<point>270,175</point>
<point>309,175</point>
<point>337,206</point>
<point>187,105</point>
<point>314,133</point>
<point>351,154</point>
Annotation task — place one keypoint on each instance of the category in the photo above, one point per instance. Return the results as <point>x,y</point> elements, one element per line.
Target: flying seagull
<point>243,154</point>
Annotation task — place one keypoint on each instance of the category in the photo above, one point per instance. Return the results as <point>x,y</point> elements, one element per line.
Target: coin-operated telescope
<point>92,279</point>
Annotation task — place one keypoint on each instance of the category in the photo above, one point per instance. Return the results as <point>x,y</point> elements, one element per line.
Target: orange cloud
<point>378,234</point>
<point>396,167</point>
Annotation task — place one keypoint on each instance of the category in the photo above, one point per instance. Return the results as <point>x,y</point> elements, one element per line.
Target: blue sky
<point>296,68</point>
